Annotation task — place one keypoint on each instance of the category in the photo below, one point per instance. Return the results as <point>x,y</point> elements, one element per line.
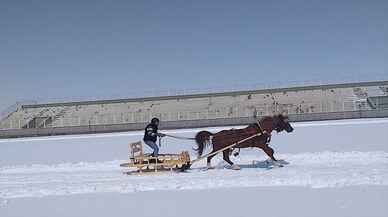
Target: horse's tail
<point>203,140</point>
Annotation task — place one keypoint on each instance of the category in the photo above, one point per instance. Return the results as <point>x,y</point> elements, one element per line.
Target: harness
<point>264,132</point>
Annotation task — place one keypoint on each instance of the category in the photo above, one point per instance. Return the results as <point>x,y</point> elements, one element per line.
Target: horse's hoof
<point>235,167</point>
<point>209,166</point>
<point>277,164</point>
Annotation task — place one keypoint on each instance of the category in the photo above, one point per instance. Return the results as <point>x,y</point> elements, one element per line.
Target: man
<point>151,134</point>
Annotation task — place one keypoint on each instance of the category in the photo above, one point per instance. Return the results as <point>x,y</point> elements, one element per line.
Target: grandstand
<point>317,99</point>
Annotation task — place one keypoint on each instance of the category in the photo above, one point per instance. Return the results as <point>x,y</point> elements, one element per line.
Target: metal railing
<point>204,90</point>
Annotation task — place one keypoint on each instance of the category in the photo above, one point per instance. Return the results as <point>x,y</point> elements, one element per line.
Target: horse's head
<point>281,123</point>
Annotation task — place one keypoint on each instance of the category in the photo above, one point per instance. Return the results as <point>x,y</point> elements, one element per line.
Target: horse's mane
<point>274,117</point>
<point>265,118</point>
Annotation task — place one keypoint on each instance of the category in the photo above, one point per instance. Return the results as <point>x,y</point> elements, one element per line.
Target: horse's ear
<point>284,115</point>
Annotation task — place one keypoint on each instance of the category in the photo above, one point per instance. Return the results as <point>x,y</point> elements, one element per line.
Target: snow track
<point>316,170</point>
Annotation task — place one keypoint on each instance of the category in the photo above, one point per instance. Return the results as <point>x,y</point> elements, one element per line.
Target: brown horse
<point>224,138</point>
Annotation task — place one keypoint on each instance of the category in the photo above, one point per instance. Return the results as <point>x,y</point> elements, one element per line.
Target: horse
<point>225,138</point>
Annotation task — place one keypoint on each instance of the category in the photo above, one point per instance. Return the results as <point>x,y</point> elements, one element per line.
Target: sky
<point>82,49</point>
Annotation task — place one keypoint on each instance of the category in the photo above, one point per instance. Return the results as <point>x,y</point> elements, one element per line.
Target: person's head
<point>155,121</point>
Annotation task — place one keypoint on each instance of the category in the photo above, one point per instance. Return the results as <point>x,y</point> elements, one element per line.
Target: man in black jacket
<point>151,134</point>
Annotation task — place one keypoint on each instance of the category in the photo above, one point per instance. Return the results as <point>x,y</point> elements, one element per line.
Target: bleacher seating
<point>204,106</point>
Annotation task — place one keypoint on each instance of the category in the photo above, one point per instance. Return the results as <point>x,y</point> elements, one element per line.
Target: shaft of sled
<point>223,149</point>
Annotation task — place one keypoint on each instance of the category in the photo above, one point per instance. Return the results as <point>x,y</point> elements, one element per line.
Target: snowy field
<point>334,168</point>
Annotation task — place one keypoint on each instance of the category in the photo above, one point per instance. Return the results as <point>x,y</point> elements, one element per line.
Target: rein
<point>180,137</point>
<point>190,138</point>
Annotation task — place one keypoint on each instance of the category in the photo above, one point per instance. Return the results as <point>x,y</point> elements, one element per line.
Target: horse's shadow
<point>265,164</point>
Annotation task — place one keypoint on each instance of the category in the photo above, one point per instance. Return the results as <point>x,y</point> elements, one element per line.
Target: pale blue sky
<point>60,49</point>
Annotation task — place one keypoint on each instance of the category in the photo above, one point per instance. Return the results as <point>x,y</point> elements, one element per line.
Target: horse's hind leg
<point>208,160</point>
<point>226,158</point>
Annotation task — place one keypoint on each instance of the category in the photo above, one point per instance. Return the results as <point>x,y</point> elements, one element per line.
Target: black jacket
<point>150,132</point>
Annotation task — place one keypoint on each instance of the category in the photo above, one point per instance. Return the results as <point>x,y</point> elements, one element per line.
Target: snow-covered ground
<point>334,168</point>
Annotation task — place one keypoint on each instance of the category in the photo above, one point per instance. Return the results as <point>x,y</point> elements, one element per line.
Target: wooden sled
<point>147,163</point>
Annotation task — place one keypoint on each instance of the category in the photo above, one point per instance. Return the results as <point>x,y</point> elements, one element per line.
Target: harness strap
<point>265,132</point>
<point>227,147</point>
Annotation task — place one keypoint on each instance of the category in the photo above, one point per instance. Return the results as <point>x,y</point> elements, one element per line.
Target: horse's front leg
<point>226,158</point>
<point>269,151</point>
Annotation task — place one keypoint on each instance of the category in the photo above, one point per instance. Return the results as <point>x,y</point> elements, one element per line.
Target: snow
<point>343,159</point>
<point>316,170</point>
